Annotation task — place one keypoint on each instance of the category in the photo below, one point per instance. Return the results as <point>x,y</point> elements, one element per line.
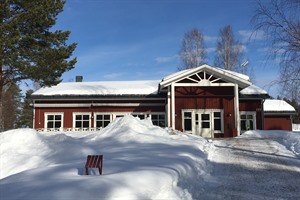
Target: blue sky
<point>140,39</point>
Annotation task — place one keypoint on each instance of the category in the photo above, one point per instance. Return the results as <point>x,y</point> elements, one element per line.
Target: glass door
<point>203,124</point>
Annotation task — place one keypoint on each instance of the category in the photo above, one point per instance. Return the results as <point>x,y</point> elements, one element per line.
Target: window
<point>217,121</point>
<point>248,121</point>
<point>141,116</point>
<point>205,122</point>
<point>158,120</point>
<point>82,120</point>
<point>102,120</point>
<point>187,117</point>
<point>53,120</point>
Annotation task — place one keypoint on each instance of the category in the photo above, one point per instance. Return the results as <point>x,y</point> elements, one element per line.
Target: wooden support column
<point>173,105</point>
<point>168,107</point>
<point>236,109</point>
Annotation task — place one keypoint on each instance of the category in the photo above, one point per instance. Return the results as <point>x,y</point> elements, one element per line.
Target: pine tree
<point>11,106</point>
<point>28,48</point>
<point>26,115</point>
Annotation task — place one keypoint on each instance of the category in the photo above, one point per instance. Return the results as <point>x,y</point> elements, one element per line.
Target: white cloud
<point>165,59</point>
<point>210,49</point>
<point>112,76</point>
<point>251,35</point>
<point>210,39</point>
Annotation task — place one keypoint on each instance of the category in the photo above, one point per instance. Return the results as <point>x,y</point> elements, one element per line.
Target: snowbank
<point>141,161</point>
<point>290,139</point>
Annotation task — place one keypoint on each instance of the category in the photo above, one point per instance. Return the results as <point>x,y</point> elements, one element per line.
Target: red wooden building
<point>205,101</point>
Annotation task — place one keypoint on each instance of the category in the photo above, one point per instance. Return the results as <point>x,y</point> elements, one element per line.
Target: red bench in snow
<point>93,161</point>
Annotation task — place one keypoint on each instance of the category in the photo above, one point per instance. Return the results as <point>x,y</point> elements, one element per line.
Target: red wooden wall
<point>279,122</point>
<point>206,98</point>
<point>68,113</point>
<point>253,105</point>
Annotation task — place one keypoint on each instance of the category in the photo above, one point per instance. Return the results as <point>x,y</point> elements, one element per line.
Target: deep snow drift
<point>141,161</point>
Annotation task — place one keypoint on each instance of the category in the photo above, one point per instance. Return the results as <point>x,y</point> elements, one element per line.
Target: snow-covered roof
<point>274,105</point>
<point>145,87</point>
<point>226,75</point>
<point>252,90</point>
<point>242,76</point>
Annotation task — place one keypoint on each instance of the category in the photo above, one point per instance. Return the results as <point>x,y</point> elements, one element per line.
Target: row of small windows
<point>82,120</point>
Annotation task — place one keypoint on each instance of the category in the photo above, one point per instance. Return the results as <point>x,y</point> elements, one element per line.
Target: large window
<point>248,121</point>
<point>205,120</point>
<point>102,120</point>
<point>158,120</point>
<point>187,117</point>
<point>217,122</point>
<point>53,120</point>
<point>81,120</point>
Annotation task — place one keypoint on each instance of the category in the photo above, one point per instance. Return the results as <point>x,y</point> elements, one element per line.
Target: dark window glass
<point>98,124</point>
<point>106,123</point>
<point>86,117</point>
<point>107,117</point>
<point>50,117</point>
<point>57,124</point>
<point>217,124</point>
<point>205,116</point>
<point>155,123</point>
<point>85,124</point>
<point>78,124</point>
<point>162,117</point>
<point>243,125</point>
<point>78,117</point>
<point>154,117</point>
<point>205,124</point>
<point>57,117</point>
<point>162,124</point>
<point>50,124</point>
<point>187,124</point>
<point>251,127</point>
<point>243,116</point>
<point>217,114</point>
<point>187,115</point>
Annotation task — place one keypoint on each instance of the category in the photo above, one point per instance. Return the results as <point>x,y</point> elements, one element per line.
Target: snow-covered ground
<point>141,161</point>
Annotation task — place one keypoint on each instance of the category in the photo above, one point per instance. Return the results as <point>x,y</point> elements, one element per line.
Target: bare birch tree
<point>280,20</point>
<point>192,52</point>
<point>229,51</point>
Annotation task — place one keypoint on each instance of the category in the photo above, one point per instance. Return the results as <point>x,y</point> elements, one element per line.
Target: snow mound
<point>132,128</point>
<point>290,139</point>
<point>21,149</point>
<point>141,161</point>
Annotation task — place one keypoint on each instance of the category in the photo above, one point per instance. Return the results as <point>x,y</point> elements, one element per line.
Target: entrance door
<point>203,124</point>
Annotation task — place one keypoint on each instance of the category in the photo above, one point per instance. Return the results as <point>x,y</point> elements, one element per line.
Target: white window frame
<point>101,113</point>
<point>81,113</point>
<point>249,113</point>
<point>158,113</point>
<point>192,120</point>
<point>148,115</point>
<point>46,114</point>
